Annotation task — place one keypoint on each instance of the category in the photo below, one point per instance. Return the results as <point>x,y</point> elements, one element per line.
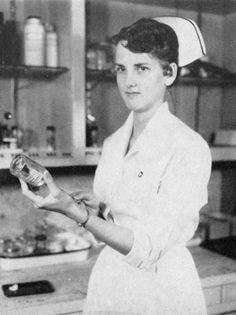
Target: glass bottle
<point>30,172</point>
<point>34,41</point>
<point>51,138</point>
<point>92,131</point>
<point>51,45</point>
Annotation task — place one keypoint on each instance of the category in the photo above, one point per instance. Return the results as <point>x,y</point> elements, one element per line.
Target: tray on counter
<point>12,263</point>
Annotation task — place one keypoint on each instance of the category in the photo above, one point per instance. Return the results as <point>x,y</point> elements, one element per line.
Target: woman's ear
<point>170,73</point>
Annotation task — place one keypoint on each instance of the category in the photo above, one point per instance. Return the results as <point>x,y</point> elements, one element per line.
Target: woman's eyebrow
<point>142,64</point>
<point>136,64</point>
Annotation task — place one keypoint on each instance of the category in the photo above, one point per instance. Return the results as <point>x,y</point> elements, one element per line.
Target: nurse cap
<point>191,43</point>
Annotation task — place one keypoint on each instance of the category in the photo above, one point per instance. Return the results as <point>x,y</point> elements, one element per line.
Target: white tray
<point>43,260</point>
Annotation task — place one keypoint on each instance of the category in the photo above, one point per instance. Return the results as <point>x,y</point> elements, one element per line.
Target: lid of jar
<point>33,18</point>
<point>49,27</point>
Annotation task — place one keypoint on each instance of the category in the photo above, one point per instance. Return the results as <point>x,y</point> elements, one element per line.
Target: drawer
<point>212,295</point>
<point>229,292</point>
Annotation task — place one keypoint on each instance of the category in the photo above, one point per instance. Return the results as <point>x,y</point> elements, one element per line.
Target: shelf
<point>108,76</point>
<point>92,155</point>
<point>223,154</point>
<point>47,159</point>
<point>33,72</point>
<point>210,6</point>
<point>100,75</point>
<point>219,154</point>
<point>204,82</point>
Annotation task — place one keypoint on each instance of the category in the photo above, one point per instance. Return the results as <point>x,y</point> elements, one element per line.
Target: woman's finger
<point>82,195</point>
<point>50,183</point>
<point>29,194</point>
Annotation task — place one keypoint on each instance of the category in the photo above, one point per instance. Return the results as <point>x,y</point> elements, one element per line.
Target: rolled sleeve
<point>141,248</point>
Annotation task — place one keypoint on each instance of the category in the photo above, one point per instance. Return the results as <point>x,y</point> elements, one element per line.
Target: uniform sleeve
<point>173,210</point>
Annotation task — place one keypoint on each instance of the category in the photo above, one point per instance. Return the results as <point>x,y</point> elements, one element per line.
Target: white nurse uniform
<point>157,190</point>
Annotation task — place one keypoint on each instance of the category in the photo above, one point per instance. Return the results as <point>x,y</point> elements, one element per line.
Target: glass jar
<point>51,138</point>
<point>28,170</point>
<point>34,41</point>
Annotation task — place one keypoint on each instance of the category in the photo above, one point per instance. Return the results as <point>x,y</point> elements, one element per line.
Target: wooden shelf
<point>32,72</point>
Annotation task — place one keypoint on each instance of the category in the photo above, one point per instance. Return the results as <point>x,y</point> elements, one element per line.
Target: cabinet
<point>42,96</point>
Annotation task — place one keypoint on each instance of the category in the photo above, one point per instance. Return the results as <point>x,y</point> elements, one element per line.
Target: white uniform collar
<point>153,132</point>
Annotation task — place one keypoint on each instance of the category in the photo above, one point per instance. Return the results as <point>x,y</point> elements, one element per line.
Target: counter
<point>217,273</point>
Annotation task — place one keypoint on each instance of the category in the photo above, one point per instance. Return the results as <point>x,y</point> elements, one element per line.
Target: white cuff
<point>140,250</point>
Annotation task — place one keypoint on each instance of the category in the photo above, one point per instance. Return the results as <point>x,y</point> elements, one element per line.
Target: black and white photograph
<point>117,157</point>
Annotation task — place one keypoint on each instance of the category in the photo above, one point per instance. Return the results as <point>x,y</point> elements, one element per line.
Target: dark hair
<point>149,36</point>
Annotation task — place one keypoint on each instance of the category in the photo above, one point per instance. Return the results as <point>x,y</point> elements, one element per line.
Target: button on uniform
<point>140,174</point>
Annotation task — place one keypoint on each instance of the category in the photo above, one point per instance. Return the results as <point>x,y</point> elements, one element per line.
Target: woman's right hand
<point>88,198</point>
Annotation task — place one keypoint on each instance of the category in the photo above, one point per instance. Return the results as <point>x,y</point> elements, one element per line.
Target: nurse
<point>150,184</point>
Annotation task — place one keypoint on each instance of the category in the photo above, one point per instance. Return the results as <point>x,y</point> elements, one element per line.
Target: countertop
<point>217,273</point>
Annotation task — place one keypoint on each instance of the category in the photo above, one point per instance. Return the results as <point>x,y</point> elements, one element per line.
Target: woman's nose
<point>130,80</point>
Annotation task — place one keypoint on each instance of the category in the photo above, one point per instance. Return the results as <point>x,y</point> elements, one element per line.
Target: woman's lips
<point>132,93</point>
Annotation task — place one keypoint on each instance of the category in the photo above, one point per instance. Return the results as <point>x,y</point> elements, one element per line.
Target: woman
<point>152,180</point>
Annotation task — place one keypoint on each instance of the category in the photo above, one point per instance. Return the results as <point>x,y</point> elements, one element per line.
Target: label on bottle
<point>34,178</point>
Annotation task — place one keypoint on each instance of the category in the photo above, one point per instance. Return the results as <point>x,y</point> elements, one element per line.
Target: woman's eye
<point>119,68</point>
<point>142,68</point>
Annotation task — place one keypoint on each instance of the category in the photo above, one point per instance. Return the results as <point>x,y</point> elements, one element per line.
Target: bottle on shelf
<point>11,44</point>
<point>51,138</point>
<point>91,122</point>
<point>34,41</point>
<point>11,38</point>
<point>91,57</point>
<point>17,134</point>
<point>51,46</point>
<point>1,38</point>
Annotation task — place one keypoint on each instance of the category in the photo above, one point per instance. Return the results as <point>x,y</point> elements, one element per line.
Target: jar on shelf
<point>91,58</point>
<point>105,55</point>
<point>34,41</point>
<point>101,58</point>
<point>92,131</point>
<point>51,138</point>
<point>1,38</point>
<point>17,133</point>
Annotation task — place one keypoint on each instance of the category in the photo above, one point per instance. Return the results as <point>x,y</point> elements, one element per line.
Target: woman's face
<point>140,80</point>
